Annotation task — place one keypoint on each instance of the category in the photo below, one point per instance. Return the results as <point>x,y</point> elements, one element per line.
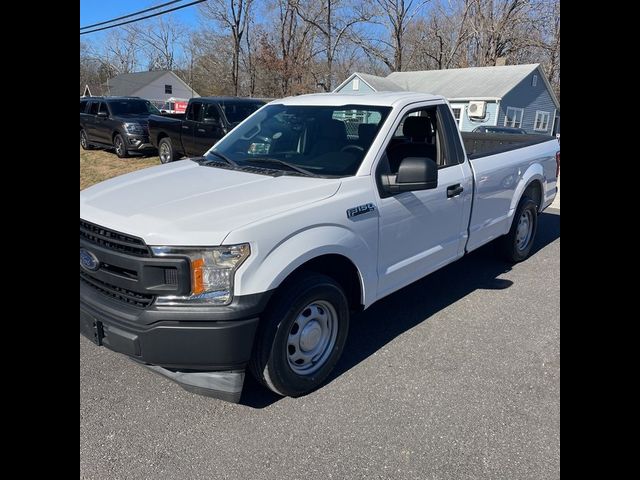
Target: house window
<point>456,114</point>
<point>542,121</point>
<point>513,117</point>
<point>534,82</point>
<point>356,84</point>
<point>168,89</point>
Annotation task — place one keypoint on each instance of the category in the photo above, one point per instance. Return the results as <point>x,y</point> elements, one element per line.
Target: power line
<point>131,14</point>
<point>143,18</point>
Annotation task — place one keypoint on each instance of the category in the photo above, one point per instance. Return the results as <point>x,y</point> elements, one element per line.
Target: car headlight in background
<point>212,273</point>
<point>135,128</point>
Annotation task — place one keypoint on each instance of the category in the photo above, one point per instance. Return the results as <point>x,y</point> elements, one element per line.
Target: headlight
<point>212,273</point>
<point>134,128</point>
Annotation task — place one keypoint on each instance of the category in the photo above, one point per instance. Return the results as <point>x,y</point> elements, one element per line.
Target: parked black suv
<point>121,123</point>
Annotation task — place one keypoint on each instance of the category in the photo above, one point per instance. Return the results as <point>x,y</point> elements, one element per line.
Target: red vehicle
<point>175,105</point>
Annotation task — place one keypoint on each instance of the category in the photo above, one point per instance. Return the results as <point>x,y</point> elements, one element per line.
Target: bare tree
<point>438,42</point>
<point>394,16</point>
<point>120,51</point>
<point>500,28</point>
<point>158,40</point>
<point>231,15</point>
<point>333,21</point>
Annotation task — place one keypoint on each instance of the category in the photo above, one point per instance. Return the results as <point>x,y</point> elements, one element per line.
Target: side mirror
<point>415,173</point>
<point>211,121</point>
<point>103,114</point>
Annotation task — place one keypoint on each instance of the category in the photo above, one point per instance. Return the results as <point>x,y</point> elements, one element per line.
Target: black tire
<point>120,146</point>
<point>84,141</point>
<point>165,150</point>
<point>272,355</point>
<point>515,246</point>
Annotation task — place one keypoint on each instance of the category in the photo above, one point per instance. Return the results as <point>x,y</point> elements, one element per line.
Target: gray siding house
<point>512,95</point>
<point>157,86</point>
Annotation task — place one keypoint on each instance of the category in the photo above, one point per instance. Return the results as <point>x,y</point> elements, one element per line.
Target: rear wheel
<point>516,245</point>
<point>301,335</point>
<point>120,146</point>
<point>165,150</point>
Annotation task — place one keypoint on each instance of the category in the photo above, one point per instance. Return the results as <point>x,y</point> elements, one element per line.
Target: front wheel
<point>301,336</point>
<point>516,245</point>
<point>120,146</point>
<point>165,150</point>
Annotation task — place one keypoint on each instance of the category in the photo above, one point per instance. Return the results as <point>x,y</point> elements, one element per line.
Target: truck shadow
<point>403,310</point>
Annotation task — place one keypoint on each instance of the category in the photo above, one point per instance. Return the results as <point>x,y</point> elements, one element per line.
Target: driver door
<point>420,231</point>
<point>209,130</point>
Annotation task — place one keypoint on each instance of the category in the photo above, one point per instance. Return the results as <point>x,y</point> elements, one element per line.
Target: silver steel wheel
<point>165,153</point>
<point>312,337</point>
<point>83,139</point>
<point>524,230</point>
<point>119,146</point>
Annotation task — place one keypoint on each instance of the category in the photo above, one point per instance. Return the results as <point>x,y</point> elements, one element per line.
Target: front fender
<point>271,268</point>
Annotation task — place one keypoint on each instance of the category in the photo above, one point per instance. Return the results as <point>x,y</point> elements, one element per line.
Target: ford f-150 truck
<point>255,255</point>
<point>206,120</point>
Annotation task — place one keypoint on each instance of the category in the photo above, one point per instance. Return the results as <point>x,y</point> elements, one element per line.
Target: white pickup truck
<point>315,207</point>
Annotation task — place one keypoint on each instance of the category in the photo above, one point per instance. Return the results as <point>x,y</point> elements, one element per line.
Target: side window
<point>93,108</point>
<point>453,154</point>
<point>211,114</point>
<point>195,112</point>
<point>103,108</point>
<point>83,105</point>
<point>416,136</point>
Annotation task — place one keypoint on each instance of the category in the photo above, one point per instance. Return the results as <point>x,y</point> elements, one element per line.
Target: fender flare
<point>305,245</point>
<point>532,174</point>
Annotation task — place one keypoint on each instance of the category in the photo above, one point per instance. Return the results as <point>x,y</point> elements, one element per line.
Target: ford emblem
<point>88,260</point>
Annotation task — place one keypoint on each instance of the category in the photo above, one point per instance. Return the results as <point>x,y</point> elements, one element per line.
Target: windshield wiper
<point>223,157</point>
<point>286,164</point>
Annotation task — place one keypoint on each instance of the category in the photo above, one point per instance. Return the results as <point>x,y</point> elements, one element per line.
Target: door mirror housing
<point>415,173</point>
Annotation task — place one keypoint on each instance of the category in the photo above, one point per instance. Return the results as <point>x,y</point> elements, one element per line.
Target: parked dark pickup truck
<point>206,121</point>
<point>116,122</point>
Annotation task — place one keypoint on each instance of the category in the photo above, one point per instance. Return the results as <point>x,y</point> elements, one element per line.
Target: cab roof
<point>388,99</point>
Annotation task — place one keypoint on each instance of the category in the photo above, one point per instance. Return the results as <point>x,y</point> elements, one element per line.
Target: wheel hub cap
<point>523,232</point>
<point>312,337</point>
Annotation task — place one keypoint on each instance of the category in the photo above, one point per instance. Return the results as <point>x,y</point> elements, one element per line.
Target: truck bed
<point>480,145</point>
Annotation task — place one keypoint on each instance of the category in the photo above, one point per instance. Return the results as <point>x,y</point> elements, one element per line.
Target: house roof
<point>129,83</point>
<point>380,84</point>
<point>467,83</point>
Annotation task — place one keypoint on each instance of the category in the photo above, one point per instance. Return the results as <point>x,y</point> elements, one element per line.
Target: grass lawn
<point>99,165</point>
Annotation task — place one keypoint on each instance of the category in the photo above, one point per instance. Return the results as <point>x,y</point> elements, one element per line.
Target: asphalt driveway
<point>454,377</point>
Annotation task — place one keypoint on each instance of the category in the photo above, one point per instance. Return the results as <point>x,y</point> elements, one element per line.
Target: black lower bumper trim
<point>223,385</point>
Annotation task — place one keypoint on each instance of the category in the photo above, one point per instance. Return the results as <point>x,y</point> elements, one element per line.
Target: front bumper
<point>204,349</point>
<point>139,142</point>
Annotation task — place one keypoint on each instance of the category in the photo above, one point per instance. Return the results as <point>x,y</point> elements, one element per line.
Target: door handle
<point>185,127</point>
<point>454,190</point>
<point>201,130</point>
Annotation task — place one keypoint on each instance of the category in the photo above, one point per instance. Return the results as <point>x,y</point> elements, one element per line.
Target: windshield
<point>238,111</point>
<point>132,107</point>
<point>322,140</point>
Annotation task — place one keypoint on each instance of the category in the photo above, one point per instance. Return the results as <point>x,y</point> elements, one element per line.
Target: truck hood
<point>183,203</point>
